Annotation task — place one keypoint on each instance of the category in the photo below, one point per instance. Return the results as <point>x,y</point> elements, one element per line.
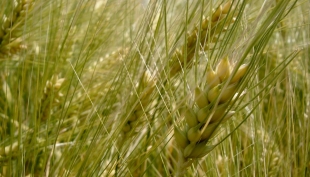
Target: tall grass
<point>99,88</point>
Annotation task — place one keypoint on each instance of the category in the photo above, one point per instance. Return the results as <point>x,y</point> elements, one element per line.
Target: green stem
<point>180,166</point>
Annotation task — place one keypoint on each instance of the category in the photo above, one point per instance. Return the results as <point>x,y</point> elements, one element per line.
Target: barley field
<point>130,88</point>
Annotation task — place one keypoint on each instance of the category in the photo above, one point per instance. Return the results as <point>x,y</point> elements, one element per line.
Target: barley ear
<point>147,87</point>
<point>212,110</point>
<point>11,29</point>
<point>185,54</point>
<point>51,96</point>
